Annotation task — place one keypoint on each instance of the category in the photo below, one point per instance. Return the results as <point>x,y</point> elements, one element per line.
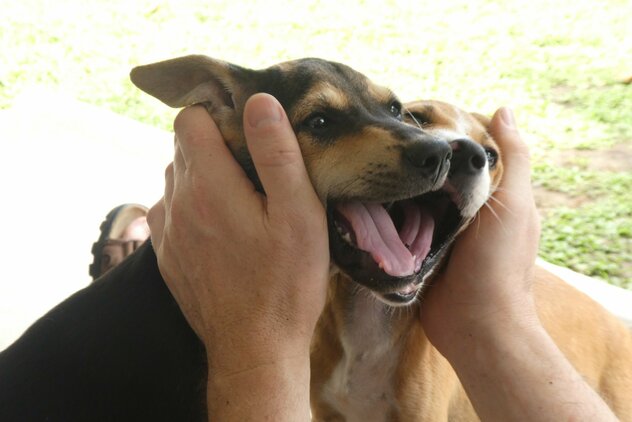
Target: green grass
<point>600,231</point>
<point>595,237</point>
<point>557,63</point>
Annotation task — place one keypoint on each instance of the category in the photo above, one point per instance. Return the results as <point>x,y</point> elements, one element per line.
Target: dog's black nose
<point>430,156</point>
<point>468,157</point>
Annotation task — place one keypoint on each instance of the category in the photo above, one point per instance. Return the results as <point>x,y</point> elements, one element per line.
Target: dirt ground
<point>615,159</point>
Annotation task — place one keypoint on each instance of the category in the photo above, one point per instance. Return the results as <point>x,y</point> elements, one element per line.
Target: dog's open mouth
<point>389,247</point>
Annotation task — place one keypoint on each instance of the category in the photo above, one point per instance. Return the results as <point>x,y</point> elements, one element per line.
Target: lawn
<point>560,65</point>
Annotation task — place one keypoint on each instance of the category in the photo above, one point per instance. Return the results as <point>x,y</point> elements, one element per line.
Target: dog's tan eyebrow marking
<point>486,137</point>
<point>429,109</point>
<point>321,96</point>
<point>380,93</point>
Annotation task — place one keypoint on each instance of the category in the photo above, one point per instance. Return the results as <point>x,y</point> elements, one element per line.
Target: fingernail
<point>263,110</point>
<point>507,116</point>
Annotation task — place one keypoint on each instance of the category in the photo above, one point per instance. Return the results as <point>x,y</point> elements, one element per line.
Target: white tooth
<point>344,233</point>
<point>347,238</point>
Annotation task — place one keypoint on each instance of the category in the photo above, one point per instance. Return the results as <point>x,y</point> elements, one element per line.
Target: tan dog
<point>373,363</point>
<point>397,193</point>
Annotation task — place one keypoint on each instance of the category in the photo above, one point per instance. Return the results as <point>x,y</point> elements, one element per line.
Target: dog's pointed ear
<point>193,79</point>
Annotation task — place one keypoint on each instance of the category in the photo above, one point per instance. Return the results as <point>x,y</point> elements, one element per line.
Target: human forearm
<point>514,371</point>
<point>277,391</point>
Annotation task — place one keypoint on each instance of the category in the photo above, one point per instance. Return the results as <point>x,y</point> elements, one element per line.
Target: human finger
<point>156,214</point>
<point>169,183</point>
<point>179,163</point>
<point>204,152</point>
<point>515,153</point>
<point>276,153</point>
<point>156,223</point>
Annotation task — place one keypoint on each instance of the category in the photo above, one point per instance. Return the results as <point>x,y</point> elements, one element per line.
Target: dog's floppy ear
<point>193,79</point>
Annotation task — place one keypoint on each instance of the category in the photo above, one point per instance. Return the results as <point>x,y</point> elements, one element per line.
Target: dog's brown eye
<point>317,121</point>
<point>492,157</point>
<point>396,110</point>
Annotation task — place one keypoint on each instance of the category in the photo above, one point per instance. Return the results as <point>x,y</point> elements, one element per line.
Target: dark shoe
<point>115,243</point>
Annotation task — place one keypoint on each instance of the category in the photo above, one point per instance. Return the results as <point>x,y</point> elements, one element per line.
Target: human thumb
<point>276,153</point>
<point>513,150</point>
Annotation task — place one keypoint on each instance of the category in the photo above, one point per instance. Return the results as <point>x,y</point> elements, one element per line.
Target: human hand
<point>248,270</point>
<point>489,274</point>
<point>480,312</point>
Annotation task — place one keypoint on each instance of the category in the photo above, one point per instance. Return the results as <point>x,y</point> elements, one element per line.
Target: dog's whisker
<point>507,192</point>
<point>410,310</point>
<point>502,225</point>
<point>412,116</point>
<point>392,310</point>
<point>501,204</point>
<point>478,222</point>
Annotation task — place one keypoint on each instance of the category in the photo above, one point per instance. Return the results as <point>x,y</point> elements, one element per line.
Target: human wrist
<point>466,331</point>
<point>276,390</point>
<point>489,336</point>
<point>248,351</point>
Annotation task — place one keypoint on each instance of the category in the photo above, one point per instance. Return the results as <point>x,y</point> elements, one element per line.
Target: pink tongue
<point>375,233</point>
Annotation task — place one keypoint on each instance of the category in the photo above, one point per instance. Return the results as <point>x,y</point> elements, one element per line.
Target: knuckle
<point>169,172</point>
<point>176,213</point>
<point>192,137</point>
<point>154,213</point>
<point>197,186</point>
<point>186,116</point>
<point>299,225</point>
<point>278,154</point>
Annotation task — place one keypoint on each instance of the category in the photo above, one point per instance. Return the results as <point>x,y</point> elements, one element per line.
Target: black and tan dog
<point>396,195</point>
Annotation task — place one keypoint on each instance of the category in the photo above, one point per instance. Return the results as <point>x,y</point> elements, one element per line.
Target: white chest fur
<point>361,386</point>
